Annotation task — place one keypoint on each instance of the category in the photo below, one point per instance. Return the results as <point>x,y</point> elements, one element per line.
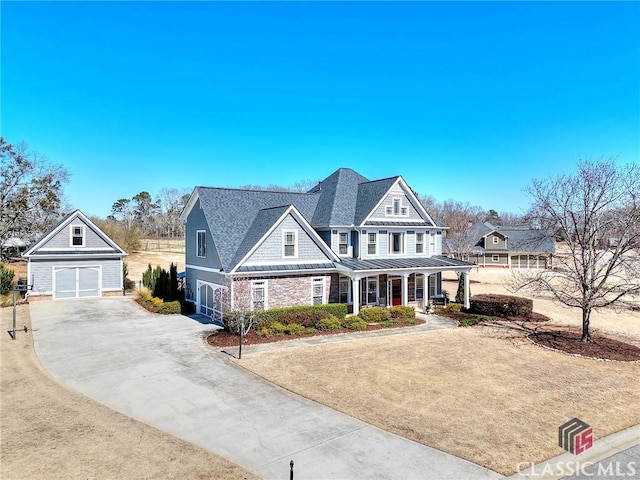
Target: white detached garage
<point>75,260</point>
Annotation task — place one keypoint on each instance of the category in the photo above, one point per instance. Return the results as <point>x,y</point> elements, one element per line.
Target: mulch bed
<point>601,347</point>
<point>563,339</point>
<point>223,339</point>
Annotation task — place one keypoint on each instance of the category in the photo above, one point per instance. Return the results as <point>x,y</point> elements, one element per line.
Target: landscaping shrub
<point>162,284</point>
<point>374,315</point>
<point>277,328</point>
<point>501,305</point>
<point>329,323</point>
<point>400,311</point>
<point>338,310</point>
<point>295,329</point>
<point>6,279</point>
<point>454,307</point>
<point>354,323</point>
<point>170,308</point>
<point>305,315</point>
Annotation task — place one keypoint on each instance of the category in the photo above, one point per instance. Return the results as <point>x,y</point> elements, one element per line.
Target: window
<point>201,243</point>
<point>259,295</point>
<point>343,290</point>
<point>77,235</point>
<point>372,243</point>
<point>495,258</point>
<point>317,289</point>
<point>419,287</point>
<point>289,243</point>
<point>419,242</point>
<point>343,243</point>
<point>496,240</point>
<point>396,209</point>
<point>396,243</point>
<point>372,290</point>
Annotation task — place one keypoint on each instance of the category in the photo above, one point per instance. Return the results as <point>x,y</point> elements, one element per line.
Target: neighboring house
<point>348,240</point>
<point>74,259</point>
<point>508,247</point>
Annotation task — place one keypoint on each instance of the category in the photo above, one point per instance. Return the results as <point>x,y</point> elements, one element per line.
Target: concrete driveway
<point>158,370</point>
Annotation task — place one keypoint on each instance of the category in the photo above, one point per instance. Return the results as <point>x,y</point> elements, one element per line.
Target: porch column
<point>355,293</point>
<point>467,303</point>
<point>405,289</point>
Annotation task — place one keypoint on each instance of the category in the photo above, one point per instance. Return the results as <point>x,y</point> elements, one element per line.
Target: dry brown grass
<point>138,262</point>
<point>49,431</point>
<point>474,392</point>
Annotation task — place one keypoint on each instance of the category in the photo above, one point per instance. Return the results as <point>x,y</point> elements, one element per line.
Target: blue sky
<point>465,100</point>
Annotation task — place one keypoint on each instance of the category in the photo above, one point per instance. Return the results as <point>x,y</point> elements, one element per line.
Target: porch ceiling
<point>404,263</point>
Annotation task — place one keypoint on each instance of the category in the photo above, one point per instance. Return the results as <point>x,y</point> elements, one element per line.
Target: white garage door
<point>75,282</point>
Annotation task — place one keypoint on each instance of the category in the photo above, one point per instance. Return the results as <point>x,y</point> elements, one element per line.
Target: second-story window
<point>343,243</point>
<point>289,243</point>
<point>201,243</point>
<point>396,243</point>
<point>419,242</point>
<point>77,235</point>
<point>372,243</point>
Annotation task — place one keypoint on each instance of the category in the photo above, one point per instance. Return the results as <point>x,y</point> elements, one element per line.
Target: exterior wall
<point>530,261</point>
<point>41,272</point>
<point>197,221</point>
<point>271,249</point>
<point>501,245</point>
<point>285,291</point>
<point>193,275</point>
<point>62,240</point>
<point>396,193</point>
<point>487,260</point>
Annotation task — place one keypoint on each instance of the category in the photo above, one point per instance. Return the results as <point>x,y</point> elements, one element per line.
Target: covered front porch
<point>389,282</point>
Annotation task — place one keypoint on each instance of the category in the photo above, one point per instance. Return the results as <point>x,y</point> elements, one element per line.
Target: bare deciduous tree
<point>31,192</point>
<point>460,217</point>
<point>596,211</point>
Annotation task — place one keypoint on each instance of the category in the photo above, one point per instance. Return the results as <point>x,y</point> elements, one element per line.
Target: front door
<point>394,289</point>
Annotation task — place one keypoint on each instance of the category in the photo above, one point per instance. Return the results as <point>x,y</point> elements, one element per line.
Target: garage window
<point>77,235</point>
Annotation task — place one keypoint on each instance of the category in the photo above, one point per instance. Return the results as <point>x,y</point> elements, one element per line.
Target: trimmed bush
<point>454,307</point>
<point>305,315</point>
<point>400,311</point>
<point>501,305</point>
<point>374,315</point>
<point>295,329</point>
<point>277,328</point>
<point>329,323</point>
<point>170,308</point>
<point>355,323</point>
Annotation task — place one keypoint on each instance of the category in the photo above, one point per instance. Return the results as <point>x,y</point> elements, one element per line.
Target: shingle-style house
<point>508,247</point>
<point>348,240</point>
<point>75,259</point>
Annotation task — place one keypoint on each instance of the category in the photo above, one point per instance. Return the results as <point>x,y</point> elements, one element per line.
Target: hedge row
<point>501,305</point>
<point>305,315</point>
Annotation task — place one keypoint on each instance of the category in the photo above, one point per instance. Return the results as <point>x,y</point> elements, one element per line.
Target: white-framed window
<point>419,242</point>
<point>372,243</point>
<point>290,243</point>
<point>317,291</point>
<point>396,209</point>
<point>419,286</point>
<point>496,240</point>
<point>495,258</point>
<point>77,236</point>
<point>201,243</point>
<point>343,243</point>
<point>259,295</point>
<point>396,243</point>
<point>344,284</point>
<point>372,290</point>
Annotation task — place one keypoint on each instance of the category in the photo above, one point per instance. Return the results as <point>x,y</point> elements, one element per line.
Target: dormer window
<point>289,243</point>
<point>396,209</point>
<point>77,236</point>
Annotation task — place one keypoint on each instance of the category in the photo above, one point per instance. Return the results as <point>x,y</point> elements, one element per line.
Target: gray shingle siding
<point>62,239</point>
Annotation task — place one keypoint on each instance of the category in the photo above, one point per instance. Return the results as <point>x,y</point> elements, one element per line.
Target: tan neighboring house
<point>507,247</point>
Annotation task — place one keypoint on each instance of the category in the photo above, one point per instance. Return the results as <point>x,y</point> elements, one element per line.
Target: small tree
<point>460,291</point>
<point>6,279</point>
<point>596,213</point>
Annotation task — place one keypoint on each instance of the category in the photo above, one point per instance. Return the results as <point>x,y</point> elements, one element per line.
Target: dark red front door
<point>396,292</point>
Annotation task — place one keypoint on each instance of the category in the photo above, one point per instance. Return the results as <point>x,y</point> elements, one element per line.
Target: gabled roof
<point>369,195</point>
<point>33,250</point>
<point>520,238</point>
<point>233,212</point>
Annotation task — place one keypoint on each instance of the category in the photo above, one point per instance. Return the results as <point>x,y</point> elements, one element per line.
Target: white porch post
<point>405,289</point>
<point>355,292</point>
<point>467,303</point>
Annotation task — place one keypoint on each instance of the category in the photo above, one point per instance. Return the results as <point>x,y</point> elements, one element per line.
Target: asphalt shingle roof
<point>403,263</point>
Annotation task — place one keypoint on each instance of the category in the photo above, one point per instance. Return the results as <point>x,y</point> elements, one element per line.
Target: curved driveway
<point>157,369</point>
